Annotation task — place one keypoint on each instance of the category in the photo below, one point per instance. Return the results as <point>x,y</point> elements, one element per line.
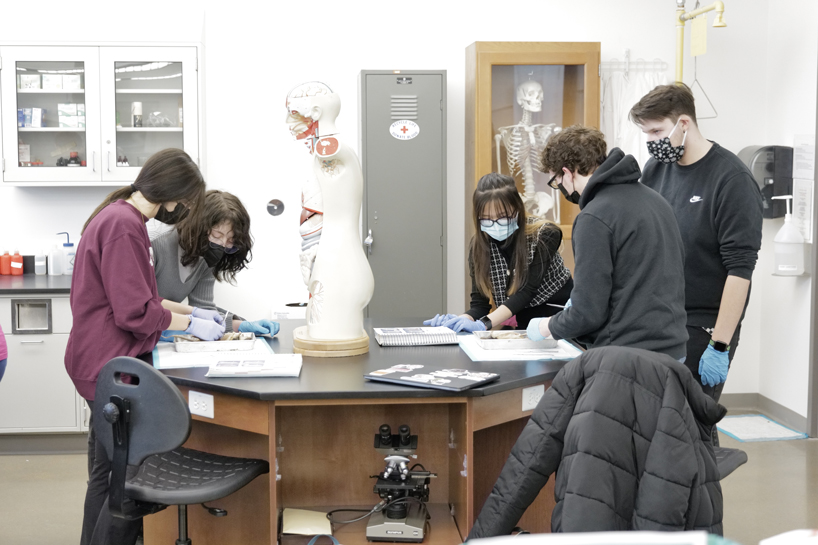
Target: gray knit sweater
<point>197,287</point>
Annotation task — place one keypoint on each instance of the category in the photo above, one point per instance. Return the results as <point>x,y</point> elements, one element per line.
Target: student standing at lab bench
<point>191,257</point>
<point>514,260</point>
<point>116,308</point>
<point>718,208</point>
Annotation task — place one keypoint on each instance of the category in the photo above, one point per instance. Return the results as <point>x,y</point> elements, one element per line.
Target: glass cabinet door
<point>53,94</point>
<point>146,92</point>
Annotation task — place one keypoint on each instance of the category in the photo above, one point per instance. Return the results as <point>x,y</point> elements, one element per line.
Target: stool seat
<point>185,476</point>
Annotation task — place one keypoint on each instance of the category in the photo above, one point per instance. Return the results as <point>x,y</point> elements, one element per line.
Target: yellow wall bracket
<point>681,17</point>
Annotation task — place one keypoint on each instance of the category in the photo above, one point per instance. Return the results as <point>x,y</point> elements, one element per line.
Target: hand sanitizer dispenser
<point>789,245</point>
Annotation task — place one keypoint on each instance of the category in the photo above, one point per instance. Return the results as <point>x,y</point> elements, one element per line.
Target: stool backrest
<point>159,415</point>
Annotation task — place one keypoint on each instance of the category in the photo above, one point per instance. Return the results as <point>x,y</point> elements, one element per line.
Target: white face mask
<point>664,152</point>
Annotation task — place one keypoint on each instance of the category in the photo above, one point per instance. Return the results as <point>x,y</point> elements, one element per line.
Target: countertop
<point>343,378</point>
<point>36,284</point>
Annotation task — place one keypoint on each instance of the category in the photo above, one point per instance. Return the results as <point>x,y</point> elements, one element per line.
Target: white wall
<point>256,52</point>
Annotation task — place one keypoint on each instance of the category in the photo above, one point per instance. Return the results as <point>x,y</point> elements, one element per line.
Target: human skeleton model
<point>524,144</point>
<point>340,281</point>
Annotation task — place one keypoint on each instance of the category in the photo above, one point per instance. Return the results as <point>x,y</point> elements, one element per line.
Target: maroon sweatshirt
<point>116,308</point>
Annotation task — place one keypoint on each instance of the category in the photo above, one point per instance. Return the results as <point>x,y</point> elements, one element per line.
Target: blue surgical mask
<point>500,232</point>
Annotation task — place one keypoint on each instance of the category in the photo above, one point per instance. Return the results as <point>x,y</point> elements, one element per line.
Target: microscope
<point>404,491</point>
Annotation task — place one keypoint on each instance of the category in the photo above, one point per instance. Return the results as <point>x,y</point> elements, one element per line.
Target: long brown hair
<point>167,176</point>
<point>219,206</point>
<point>500,191</point>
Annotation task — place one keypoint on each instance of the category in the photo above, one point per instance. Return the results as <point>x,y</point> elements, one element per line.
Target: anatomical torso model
<point>524,143</point>
<point>336,270</point>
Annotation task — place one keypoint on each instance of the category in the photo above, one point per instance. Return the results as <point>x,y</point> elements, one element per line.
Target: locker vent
<point>404,107</point>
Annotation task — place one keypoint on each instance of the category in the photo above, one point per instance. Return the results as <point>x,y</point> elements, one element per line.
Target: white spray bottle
<point>789,245</point>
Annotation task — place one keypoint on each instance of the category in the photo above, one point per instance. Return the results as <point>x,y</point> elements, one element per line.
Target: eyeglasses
<point>502,222</point>
<point>552,183</point>
<point>229,251</point>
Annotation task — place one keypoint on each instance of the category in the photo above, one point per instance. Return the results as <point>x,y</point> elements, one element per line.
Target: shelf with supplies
<point>149,91</point>
<point>149,129</point>
<point>65,104</point>
<point>51,91</point>
<point>50,129</point>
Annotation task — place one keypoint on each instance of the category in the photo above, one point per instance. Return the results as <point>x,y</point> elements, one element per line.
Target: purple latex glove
<point>463,323</point>
<point>207,330</point>
<point>439,319</point>
<point>713,366</point>
<point>206,314</point>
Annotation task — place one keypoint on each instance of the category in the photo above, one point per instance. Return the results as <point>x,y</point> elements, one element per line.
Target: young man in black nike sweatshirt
<point>719,211</point>
<point>628,253</point>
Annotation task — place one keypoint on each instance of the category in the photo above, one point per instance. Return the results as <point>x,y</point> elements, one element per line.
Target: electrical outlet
<point>531,396</point>
<point>200,404</point>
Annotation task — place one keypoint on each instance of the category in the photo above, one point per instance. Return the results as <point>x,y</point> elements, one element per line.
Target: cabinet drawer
<point>36,393</point>
<point>61,318</point>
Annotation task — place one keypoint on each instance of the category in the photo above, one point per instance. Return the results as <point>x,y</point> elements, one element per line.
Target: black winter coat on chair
<point>627,432</point>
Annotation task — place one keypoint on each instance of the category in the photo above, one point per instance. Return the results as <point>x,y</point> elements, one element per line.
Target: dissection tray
<point>244,342</point>
<point>511,340</point>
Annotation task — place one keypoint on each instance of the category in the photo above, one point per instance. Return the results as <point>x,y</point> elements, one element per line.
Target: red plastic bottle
<point>5,263</point>
<point>16,264</point>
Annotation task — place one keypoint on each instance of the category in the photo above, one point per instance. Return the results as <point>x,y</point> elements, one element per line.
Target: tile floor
<point>777,490</point>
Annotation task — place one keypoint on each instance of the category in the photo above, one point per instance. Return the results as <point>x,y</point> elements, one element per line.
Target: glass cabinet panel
<point>149,109</point>
<point>50,105</point>
<point>145,93</point>
<point>51,114</point>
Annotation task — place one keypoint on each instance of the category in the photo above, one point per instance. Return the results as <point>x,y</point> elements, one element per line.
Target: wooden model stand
<point>302,344</point>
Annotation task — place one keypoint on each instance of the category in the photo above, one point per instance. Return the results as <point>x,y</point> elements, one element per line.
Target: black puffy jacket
<point>627,432</point>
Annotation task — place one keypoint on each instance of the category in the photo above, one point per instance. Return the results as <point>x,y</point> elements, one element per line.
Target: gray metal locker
<point>403,154</point>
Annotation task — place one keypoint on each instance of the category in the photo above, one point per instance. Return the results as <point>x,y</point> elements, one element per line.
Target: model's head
<point>311,110</point>
<point>497,198</point>
<point>221,236</point>
<point>170,179</point>
<point>530,96</point>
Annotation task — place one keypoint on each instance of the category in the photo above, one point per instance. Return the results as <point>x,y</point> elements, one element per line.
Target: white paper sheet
<point>165,355</point>
<point>803,156</point>
<point>802,207</point>
<point>564,351</point>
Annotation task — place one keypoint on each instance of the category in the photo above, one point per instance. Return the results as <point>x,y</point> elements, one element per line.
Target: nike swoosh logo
<point>696,199</point>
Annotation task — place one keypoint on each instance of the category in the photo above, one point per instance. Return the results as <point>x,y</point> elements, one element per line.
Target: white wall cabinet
<point>36,394</point>
<point>72,115</point>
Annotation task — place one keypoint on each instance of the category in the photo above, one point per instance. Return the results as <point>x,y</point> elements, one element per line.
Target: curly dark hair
<point>577,148</point>
<point>219,206</point>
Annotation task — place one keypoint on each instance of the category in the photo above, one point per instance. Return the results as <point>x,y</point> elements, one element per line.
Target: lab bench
<point>317,433</point>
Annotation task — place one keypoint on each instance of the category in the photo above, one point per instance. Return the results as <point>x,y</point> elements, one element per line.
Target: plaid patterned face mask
<point>664,152</point>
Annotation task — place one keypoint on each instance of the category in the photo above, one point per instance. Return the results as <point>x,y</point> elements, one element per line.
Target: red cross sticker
<point>404,130</point>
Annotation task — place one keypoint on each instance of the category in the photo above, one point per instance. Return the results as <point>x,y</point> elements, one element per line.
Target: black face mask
<point>171,218</point>
<point>213,255</point>
<point>573,197</point>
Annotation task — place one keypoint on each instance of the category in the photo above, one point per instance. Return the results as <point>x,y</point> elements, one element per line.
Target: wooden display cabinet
<point>569,74</point>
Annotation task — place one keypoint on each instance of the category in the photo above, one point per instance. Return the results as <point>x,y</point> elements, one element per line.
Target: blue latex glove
<point>207,330</point>
<point>205,314</point>
<point>463,323</point>
<point>533,329</point>
<point>713,366</point>
<point>568,303</point>
<point>260,327</point>
<point>439,319</point>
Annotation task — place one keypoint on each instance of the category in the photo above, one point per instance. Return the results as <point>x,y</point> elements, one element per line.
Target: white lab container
<point>40,263</point>
<point>789,246</point>
<point>55,258</point>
